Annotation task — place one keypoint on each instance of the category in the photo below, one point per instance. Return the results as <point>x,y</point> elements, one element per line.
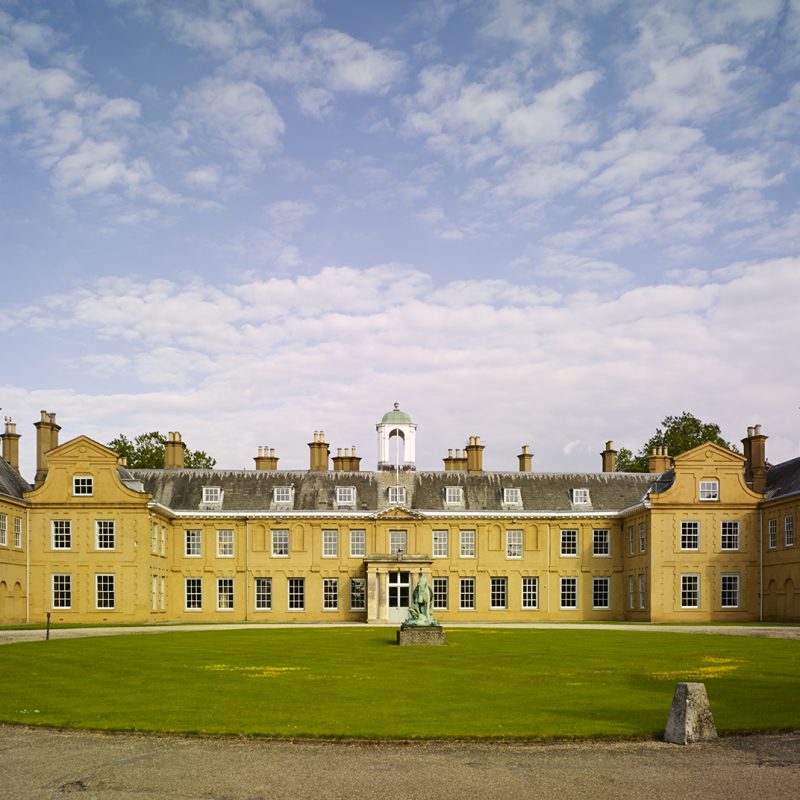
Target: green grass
<point>354,682</point>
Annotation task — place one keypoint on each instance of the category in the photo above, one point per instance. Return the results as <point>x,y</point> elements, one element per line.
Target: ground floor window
<point>440,593</point>
<point>631,592</point>
<point>358,594</point>
<point>224,594</point>
<point>330,594</point>
<point>154,594</point>
<point>690,591</point>
<point>600,592</point>
<point>62,591</point>
<point>569,593</point>
<point>499,593</point>
<point>194,594</point>
<point>467,594</point>
<point>530,592</point>
<point>163,594</point>
<point>297,594</point>
<point>263,594</point>
<point>730,591</point>
<point>105,591</point>
<point>642,584</point>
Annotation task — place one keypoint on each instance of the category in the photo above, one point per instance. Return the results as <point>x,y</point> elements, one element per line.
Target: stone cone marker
<point>690,718</point>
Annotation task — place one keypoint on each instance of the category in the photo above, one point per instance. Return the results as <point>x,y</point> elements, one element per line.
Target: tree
<point>677,434</point>
<point>146,451</point>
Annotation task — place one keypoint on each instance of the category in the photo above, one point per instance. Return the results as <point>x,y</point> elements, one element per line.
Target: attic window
<point>397,494</point>
<point>345,496</point>
<point>709,490</point>
<point>512,496</point>
<point>212,494</point>
<point>453,495</point>
<point>83,485</point>
<point>580,497</point>
<point>283,495</point>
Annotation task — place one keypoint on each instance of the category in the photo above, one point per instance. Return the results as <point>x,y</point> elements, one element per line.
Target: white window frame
<point>226,597</point>
<point>330,594</point>
<point>154,593</point>
<point>601,588</point>
<point>280,543</point>
<point>515,544</point>
<point>642,537</point>
<point>788,531</point>
<point>689,535</point>
<point>688,591</point>
<point>729,534</point>
<point>581,497</point>
<point>330,543</point>
<point>212,495</point>
<point>163,540</point>
<point>296,594</point>
<point>103,537</point>
<point>708,491</point>
<point>631,541</point>
<point>163,593</point>
<point>467,544</point>
<point>358,594</point>
<point>283,495</point>
<point>631,592</point>
<point>3,530</point>
<point>193,542</point>
<point>772,533</point>
<point>530,592</point>
<point>570,594</point>
<point>358,543</point>
<point>82,485</point>
<point>154,541</point>
<point>498,592</point>
<point>642,590</point>
<point>512,496</point>
<point>105,591</point>
<point>736,579</point>
<point>466,591</point>
<point>346,496</point>
<point>262,588</point>
<point>193,600</point>
<point>440,589</point>
<point>397,495</point>
<point>61,531</point>
<point>601,543</point>
<point>398,542</point>
<point>440,541</point>
<point>18,533</point>
<point>453,495</point>
<point>63,590</point>
<point>569,542</point>
<point>226,547</point>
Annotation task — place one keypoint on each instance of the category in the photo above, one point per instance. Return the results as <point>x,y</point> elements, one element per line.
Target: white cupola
<point>397,423</point>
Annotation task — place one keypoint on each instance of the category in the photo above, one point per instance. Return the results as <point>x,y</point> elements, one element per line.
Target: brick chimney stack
<point>46,440</point>
<point>525,460</point>
<point>266,459</point>
<point>174,451</point>
<point>319,452</point>
<point>659,460</point>
<point>758,459</point>
<point>609,456</point>
<point>474,454</point>
<point>11,444</point>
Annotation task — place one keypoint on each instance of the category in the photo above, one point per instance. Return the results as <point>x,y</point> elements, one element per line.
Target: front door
<point>399,595</point>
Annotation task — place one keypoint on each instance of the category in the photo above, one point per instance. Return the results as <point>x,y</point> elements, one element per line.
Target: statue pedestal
<point>422,636</point>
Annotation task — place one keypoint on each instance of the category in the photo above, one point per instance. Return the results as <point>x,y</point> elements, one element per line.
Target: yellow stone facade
<point>693,541</point>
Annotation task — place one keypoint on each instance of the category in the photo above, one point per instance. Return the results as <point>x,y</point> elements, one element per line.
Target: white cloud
<point>99,167</point>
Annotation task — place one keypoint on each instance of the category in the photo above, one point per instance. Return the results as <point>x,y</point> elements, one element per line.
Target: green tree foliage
<point>146,451</point>
<point>677,434</point>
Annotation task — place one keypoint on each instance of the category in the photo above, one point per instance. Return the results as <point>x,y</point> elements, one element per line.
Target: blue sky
<point>550,223</point>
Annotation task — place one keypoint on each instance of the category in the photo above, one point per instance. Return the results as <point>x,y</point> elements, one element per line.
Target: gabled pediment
<point>708,453</point>
<point>82,446</point>
<point>398,512</point>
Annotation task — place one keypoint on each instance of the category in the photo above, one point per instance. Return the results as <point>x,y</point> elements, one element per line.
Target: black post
<point>47,638</point>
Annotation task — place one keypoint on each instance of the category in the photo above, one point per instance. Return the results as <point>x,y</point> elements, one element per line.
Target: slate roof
<point>243,491</point>
<point>12,484</point>
<point>783,479</point>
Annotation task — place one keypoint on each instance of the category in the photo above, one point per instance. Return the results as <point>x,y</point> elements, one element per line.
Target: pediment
<point>82,446</point>
<point>708,453</point>
<point>398,512</point>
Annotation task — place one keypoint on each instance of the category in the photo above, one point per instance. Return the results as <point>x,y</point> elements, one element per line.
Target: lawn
<point>353,682</point>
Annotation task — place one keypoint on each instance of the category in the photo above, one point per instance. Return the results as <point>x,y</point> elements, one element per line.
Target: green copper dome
<point>396,416</point>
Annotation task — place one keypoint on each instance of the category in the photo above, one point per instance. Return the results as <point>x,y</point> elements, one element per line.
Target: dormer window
<point>512,496</point>
<point>283,495</point>
<point>345,496</point>
<point>212,495</point>
<point>709,490</point>
<point>454,495</point>
<point>580,497</point>
<point>397,495</point>
<point>83,485</point>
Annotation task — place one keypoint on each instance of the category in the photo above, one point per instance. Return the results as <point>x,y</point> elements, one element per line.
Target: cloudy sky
<point>550,222</point>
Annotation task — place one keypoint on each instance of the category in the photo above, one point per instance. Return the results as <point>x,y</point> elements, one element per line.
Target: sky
<point>551,222</point>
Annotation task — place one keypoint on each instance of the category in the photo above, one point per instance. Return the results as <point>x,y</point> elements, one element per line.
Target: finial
<point>397,406</point>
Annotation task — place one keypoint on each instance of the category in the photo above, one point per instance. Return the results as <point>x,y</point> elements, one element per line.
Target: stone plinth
<point>423,636</point>
<point>690,718</point>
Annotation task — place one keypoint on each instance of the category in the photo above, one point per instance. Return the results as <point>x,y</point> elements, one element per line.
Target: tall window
<point>601,543</point>
<point>454,495</point>
<point>440,593</point>
<point>330,594</point>
<point>642,537</point>
<point>730,535</point>
<point>104,534</point>
<point>600,592</point>
<point>358,543</point>
<point>569,542</point>
<point>3,530</point>
<point>163,540</point>
<point>163,593</point>
<point>709,490</point>
<point>530,591</point>
<point>499,592</point>
<point>569,593</point>
<point>631,549</point>
<point>514,544</point>
<point>105,591</point>
<point>466,594</point>
<point>788,531</point>
<point>193,542</point>
<point>280,542</point>
<point>398,542</point>
<point>154,593</point>
<point>440,541</point>
<point>194,594</point>
<point>62,534</point>
<point>772,534</point>
<point>225,543</point>
<point>297,594</point>
<point>730,591</point>
<point>83,485</point>
<point>18,532</point>
<point>224,594</point>
<point>358,594</point>
<point>62,591</point>
<point>263,594</point>
<point>330,543</point>
<point>631,592</point>
<point>642,593</point>
<point>690,591</point>
<point>690,535</point>
<point>467,544</point>
<point>154,541</point>
<point>397,495</point>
